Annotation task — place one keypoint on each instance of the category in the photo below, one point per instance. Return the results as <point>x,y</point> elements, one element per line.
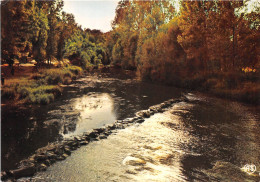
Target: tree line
<point>152,37</point>
<point>163,43</point>
<point>43,31</point>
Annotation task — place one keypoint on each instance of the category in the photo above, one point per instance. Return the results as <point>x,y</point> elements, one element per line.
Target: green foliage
<point>74,69</point>
<point>40,98</point>
<point>44,87</point>
<point>26,91</point>
<point>39,32</point>
<point>82,51</point>
<point>57,75</point>
<point>35,28</point>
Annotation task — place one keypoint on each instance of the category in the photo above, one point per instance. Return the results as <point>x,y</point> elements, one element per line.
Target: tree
<point>195,32</point>
<point>14,29</point>
<point>39,30</point>
<point>54,9</point>
<point>66,29</point>
<point>83,52</point>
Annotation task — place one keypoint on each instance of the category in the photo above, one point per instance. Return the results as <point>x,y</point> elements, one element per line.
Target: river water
<point>89,103</point>
<point>201,139</point>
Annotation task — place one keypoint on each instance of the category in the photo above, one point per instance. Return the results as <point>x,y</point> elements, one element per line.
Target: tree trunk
<point>233,54</point>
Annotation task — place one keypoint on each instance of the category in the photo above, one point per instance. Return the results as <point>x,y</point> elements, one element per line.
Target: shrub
<point>250,93</point>
<point>23,92</point>
<point>220,84</point>
<point>44,98</point>
<point>53,78</point>
<point>41,87</point>
<point>74,69</point>
<point>40,98</point>
<point>56,90</point>
<point>67,74</point>
<point>46,89</point>
<point>31,98</point>
<point>40,82</point>
<point>30,92</point>
<point>67,80</point>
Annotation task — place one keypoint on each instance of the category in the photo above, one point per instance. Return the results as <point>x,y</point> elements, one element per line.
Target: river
<point>202,139</point>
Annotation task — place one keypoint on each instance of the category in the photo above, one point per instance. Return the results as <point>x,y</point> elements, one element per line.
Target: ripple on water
<point>145,152</point>
<point>188,142</point>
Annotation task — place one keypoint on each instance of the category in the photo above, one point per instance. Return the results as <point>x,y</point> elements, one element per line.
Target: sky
<point>93,14</point>
<point>98,14</point>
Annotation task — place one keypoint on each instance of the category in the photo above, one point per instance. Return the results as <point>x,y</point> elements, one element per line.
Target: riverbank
<point>236,86</point>
<point>242,86</point>
<point>31,85</point>
<point>42,87</point>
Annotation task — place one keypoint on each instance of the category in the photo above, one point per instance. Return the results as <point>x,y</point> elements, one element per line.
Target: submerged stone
<point>110,126</point>
<point>102,137</point>
<point>83,143</point>
<point>51,155</point>
<point>77,138</point>
<point>144,113</point>
<point>23,172</point>
<point>47,162</point>
<point>40,158</point>
<point>99,130</point>
<point>140,120</point>
<point>42,167</point>
<point>67,150</point>
<point>93,134</point>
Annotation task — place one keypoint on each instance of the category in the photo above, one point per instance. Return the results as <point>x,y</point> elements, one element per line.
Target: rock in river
<point>23,172</point>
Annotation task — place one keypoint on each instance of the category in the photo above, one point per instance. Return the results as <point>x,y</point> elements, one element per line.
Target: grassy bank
<point>239,86</point>
<point>38,88</point>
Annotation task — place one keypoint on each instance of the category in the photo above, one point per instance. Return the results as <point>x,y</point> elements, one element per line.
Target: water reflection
<point>88,103</point>
<point>95,110</point>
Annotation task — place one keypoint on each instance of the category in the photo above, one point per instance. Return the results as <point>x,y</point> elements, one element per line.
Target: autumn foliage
<point>203,44</point>
<point>212,45</point>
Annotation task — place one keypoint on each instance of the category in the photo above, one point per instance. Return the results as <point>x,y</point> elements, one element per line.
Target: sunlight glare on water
<point>190,141</point>
<point>91,108</point>
<point>144,152</point>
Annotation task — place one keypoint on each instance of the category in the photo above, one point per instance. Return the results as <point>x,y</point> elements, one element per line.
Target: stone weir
<point>48,155</point>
